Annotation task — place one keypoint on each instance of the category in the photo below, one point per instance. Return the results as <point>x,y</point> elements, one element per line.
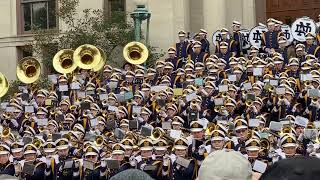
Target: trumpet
<point>281,97</point>
<point>265,143</point>
<point>314,100</point>
<point>193,104</point>
<point>219,108</point>
<point>248,103</point>
<point>271,89</point>
<point>244,93</point>
<point>224,94</point>
<point>73,107</point>
<point>307,83</point>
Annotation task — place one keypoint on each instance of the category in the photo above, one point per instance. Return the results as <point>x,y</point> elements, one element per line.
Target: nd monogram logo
<point>302,28</point>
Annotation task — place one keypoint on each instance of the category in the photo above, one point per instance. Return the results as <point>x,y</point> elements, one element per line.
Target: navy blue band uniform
<point>166,119</point>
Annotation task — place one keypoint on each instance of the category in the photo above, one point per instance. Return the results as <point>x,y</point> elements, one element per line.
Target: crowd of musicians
<point>165,120</point>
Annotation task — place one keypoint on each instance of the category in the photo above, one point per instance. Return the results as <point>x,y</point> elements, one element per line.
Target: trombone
<point>28,70</point>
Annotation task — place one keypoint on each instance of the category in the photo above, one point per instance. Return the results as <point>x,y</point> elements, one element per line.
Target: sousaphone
<point>4,85</point>
<point>28,70</point>
<point>87,56</point>
<point>135,52</point>
<point>102,61</point>
<point>63,61</point>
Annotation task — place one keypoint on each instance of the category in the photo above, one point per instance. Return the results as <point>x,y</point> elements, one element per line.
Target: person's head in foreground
<point>225,165</point>
<point>132,174</point>
<point>296,168</point>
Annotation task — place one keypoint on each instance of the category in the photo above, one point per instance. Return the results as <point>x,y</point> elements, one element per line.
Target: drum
<point>216,37</point>
<point>301,26</point>
<point>286,30</point>
<point>255,35</point>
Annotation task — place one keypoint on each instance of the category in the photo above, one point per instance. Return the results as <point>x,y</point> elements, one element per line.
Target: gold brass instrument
<point>99,141</point>
<point>225,94</point>
<point>244,93</point>
<point>265,143</point>
<point>102,61</point>
<point>87,56</point>
<point>73,107</point>
<point>281,97</point>
<point>135,52</point>
<point>285,130</point>
<point>28,70</point>
<point>271,89</point>
<point>6,132</point>
<point>63,61</point>
<point>249,102</point>
<point>194,104</point>
<point>159,133</point>
<point>210,129</point>
<point>37,142</point>
<point>219,108</point>
<point>41,129</point>
<point>4,85</point>
<point>313,100</point>
<point>307,83</point>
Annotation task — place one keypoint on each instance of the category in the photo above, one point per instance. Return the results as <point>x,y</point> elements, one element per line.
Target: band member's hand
<point>142,166</point>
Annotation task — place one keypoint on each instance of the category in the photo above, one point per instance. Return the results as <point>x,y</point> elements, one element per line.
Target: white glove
<point>287,103</point>
<point>310,148</point>
<point>275,109</point>
<point>301,137</point>
<point>103,164</point>
<point>142,166</point>
<point>294,109</point>
<point>201,150</point>
<point>76,164</point>
<point>280,103</point>
<point>166,162</point>
<point>307,111</point>
<point>254,109</point>
<point>133,162</point>
<point>140,119</point>
<point>268,50</point>
<point>48,163</point>
<point>269,103</point>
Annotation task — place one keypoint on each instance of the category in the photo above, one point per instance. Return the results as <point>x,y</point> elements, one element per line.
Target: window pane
<point>39,15</point>
<point>52,14</point>
<point>27,17</point>
<point>117,5</point>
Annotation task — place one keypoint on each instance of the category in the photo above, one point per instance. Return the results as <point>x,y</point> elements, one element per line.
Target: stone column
<point>249,14</point>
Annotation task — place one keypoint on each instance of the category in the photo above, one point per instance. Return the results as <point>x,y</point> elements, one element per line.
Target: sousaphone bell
<point>63,61</point>
<point>87,56</point>
<point>4,85</point>
<point>28,70</point>
<point>102,61</point>
<point>135,52</point>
